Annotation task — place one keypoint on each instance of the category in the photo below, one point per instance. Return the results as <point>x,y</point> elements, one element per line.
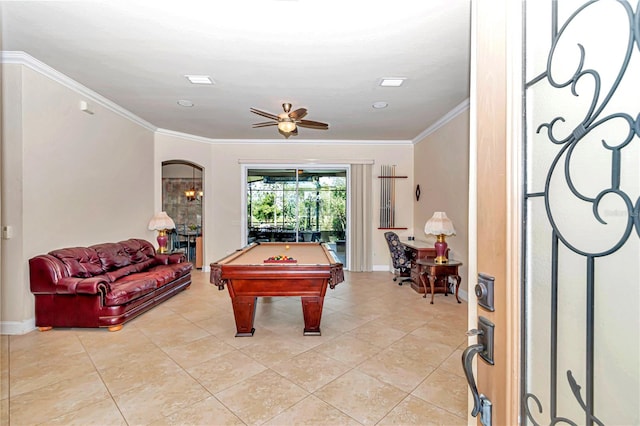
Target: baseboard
<point>17,327</point>
<point>381,268</point>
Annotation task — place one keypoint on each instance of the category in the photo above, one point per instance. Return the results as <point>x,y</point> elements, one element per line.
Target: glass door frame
<point>245,166</point>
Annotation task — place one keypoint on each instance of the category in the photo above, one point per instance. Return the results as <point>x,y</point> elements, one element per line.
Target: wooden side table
<point>439,271</point>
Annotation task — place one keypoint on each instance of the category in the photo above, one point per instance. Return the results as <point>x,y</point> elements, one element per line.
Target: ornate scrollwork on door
<point>596,150</point>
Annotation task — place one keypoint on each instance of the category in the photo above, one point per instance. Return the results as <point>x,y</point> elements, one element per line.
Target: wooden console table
<point>439,272</point>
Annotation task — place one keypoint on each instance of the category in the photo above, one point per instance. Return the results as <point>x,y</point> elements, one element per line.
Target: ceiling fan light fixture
<point>288,121</point>
<point>286,126</point>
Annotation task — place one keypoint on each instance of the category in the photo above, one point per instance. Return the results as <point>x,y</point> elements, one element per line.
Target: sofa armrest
<point>166,259</point>
<point>44,273</point>
<point>177,258</point>
<point>73,285</point>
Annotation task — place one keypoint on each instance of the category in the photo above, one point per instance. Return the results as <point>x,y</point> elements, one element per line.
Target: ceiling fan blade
<point>263,113</point>
<point>265,124</point>
<point>313,124</point>
<point>298,114</point>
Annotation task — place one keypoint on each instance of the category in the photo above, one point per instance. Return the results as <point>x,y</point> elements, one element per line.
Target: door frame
<point>495,194</point>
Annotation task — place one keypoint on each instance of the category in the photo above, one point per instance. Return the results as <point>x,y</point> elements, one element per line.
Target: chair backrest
<point>396,249</point>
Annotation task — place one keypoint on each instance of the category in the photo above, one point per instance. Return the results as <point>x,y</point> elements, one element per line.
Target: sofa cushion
<point>80,262</point>
<point>112,255</point>
<point>164,274</point>
<point>138,250</point>
<point>129,288</point>
<point>131,269</point>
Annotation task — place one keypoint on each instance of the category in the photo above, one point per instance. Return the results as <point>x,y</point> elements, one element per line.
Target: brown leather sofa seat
<point>103,285</point>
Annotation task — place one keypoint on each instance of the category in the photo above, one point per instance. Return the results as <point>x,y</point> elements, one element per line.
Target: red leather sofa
<point>103,285</point>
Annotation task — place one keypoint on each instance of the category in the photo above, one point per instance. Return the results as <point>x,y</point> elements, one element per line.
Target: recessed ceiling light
<point>380,104</point>
<point>185,103</point>
<point>392,82</point>
<point>199,79</point>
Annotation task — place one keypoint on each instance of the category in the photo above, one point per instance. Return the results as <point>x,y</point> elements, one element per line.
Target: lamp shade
<point>160,222</point>
<point>439,224</point>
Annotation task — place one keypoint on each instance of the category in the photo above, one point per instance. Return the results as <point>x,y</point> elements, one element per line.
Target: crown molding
<point>457,110</point>
<point>23,58</point>
<point>342,142</point>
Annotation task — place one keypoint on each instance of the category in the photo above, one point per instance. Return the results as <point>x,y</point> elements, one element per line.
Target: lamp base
<point>441,250</point>
<point>162,241</point>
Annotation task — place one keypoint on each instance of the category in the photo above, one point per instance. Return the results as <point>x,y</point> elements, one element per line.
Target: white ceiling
<point>327,56</point>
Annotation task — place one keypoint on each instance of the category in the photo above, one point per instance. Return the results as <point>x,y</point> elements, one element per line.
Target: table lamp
<point>161,222</point>
<point>440,225</point>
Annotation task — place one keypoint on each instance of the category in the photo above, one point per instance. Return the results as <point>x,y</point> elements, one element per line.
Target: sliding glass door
<point>296,204</point>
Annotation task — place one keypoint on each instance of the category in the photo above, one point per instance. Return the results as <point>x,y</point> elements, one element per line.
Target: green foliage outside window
<point>321,205</point>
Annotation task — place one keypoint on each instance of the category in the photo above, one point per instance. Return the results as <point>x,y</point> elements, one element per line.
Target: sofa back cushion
<point>138,250</point>
<point>82,262</point>
<point>112,255</point>
<point>119,259</point>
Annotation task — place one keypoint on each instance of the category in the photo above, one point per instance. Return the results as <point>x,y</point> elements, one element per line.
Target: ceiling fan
<point>288,121</point>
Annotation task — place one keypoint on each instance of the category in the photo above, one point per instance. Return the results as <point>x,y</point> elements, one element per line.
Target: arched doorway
<point>182,199</point>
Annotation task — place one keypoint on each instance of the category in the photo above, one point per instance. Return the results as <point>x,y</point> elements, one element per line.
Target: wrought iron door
<point>581,336</point>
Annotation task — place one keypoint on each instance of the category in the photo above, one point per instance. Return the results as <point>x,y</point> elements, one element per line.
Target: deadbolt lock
<point>484,291</point>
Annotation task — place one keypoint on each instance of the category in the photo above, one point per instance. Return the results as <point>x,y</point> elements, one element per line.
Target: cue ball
<point>286,247</point>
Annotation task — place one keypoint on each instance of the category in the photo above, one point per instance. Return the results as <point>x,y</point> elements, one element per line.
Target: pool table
<point>249,273</point>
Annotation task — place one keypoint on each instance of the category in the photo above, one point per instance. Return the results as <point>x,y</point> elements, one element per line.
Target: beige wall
<point>223,182</point>
<point>72,179</point>
<point>441,168</point>
<point>69,179</point>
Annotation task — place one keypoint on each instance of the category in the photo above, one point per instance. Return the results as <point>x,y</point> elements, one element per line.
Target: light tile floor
<point>386,356</point>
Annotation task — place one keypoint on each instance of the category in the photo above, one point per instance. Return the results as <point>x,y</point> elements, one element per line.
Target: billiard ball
<point>286,247</point>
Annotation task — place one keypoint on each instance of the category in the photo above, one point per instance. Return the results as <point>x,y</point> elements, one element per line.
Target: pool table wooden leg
<point>244,310</point>
<point>312,311</point>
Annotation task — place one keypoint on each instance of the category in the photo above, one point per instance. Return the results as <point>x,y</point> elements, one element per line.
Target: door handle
<point>467,360</point>
<point>484,348</point>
